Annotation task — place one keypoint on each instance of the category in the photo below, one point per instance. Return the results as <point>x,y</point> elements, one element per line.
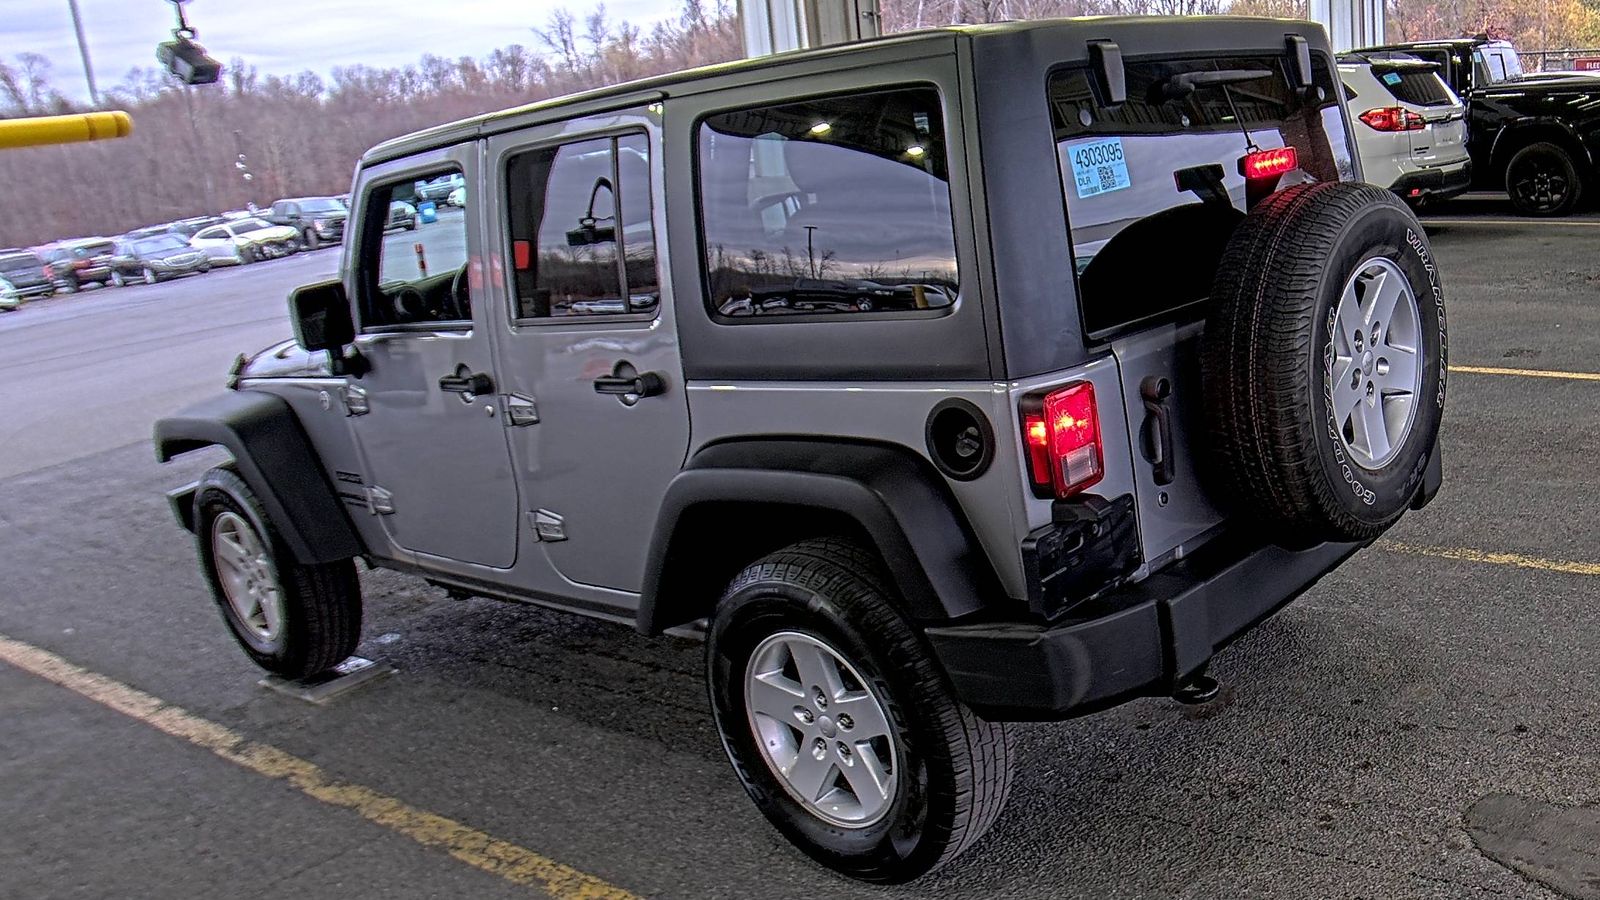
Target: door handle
<point>467,383</point>
<point>645,384</point>
<point>1157,429</point>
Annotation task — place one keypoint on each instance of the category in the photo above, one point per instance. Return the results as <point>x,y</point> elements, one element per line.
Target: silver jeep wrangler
<point>962,377</point>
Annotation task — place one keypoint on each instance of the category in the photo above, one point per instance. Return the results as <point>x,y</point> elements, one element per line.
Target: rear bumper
<point>1145,639</point>
<point>1438,183</point>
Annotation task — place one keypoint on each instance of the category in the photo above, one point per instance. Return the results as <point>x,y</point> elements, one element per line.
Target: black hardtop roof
<point>1459,43</point>
<point>1136,34</point>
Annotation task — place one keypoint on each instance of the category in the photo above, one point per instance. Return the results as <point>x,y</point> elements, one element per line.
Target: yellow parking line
<point>1527,373</point>
<point>475,848</point>
<point>1467,554</point>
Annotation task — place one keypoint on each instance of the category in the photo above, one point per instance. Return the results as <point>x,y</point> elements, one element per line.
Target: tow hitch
<point>1200,688</point>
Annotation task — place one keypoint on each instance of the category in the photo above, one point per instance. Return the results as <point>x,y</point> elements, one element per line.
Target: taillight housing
<point>1272,163</point>
<point>1061,432</point>
<point>1393,119</point>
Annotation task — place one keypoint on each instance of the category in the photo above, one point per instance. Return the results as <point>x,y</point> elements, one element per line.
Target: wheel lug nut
<point>846,722</point>
<point>819,748</point>
<point>804,715</point>
<point>819,698</point>
<point>845,755</point>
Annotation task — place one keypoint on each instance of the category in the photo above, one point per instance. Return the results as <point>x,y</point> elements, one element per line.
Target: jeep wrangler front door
<point>425,411</point>
<point>596,410</point>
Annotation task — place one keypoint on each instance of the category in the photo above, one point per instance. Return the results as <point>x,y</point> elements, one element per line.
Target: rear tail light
<point>1392,119</point>
<point>80,264</point>
<point>1061,432</point>
<point>1269,163</point>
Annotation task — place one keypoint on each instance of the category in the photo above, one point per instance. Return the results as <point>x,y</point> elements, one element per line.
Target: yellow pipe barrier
<point>42,130</point>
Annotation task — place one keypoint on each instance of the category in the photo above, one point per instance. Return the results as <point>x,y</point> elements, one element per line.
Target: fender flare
<point>1500,156</point>
<point>892,496</point>
<point>277,461</point>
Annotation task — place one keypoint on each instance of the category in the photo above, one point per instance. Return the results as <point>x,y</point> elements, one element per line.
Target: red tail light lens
<point>1062,435</point>
<point>1269,163</point>
<point>1392,119</point>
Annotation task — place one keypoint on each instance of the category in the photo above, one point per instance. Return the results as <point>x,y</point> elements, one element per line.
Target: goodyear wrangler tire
<point>1323,363</point>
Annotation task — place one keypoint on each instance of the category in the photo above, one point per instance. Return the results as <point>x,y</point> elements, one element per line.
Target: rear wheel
<point>149,275</point>
<point>838,723</point>
<point>117,279</point>
<point>311,241</point>
<point>1542,180</point>
<point>291,619</point>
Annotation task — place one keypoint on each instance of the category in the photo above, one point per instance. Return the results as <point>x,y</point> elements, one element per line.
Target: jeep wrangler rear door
<point>1154,188</point>
<point>589,365</point>
<point>438,471</point>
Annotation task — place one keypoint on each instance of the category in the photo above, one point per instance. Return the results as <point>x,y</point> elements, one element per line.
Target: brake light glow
<point>1062,437</point>
<point>1392,119</point>
<point>1269,163</point>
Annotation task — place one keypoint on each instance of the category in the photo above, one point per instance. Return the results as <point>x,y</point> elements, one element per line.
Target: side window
<point>582,237</point>
<point>828,206</point>
<point>413,277</point>
<point>209,234</point>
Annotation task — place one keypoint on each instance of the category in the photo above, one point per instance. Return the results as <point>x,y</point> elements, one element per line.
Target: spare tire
<point>1323,363</point>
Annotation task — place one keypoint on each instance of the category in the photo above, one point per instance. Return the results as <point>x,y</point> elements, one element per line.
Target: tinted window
<point>578,211</point>
<point>321,206</point>
<point>19,261</point>
<point>245,226</point>
<point>211,234</point>
<point>1414,84</point>
<point>410,277</point>
<point>160,245</point>
<point>1153,189</point>
<point>837,205</point>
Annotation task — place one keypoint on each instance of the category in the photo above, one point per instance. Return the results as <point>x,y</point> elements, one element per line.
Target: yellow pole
<point>35,132</point>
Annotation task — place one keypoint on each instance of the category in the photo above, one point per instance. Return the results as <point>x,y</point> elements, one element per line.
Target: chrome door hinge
<point>520,411</point>
<point>379,501</point>
<point>548,525</point>
<point>355,400</point>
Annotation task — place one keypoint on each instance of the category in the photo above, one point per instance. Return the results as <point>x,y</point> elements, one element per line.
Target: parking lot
<point>1428,709</point>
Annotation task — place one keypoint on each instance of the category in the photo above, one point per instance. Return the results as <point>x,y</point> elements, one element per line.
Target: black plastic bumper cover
<point>1438,183</point>
<point>1141,640</point>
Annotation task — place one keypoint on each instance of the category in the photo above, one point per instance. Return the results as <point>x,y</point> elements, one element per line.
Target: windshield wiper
<point>1185,83</point>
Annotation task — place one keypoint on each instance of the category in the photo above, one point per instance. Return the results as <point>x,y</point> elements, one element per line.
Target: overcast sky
<point>283,36</point>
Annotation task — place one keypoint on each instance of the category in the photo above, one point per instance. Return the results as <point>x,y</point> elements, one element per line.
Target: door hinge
<point>548,525</point>
<point>355,400</point>
<point>379,501</point>
<point>521,410</point>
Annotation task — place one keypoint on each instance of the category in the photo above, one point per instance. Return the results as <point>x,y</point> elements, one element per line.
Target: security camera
<point>188,60</point>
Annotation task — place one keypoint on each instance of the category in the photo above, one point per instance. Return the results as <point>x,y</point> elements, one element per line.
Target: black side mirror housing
<point>321,316</point>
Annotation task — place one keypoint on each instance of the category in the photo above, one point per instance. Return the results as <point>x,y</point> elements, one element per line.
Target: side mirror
<point>321,316</point>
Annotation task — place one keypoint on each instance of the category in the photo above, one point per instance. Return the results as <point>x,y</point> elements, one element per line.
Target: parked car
<point>156,258</point>
<point>1413,129</point>
<point>188,228</point>
<point>149,231</point>
<point>319,220</point>
<point>27,274</point>
<point>76,263</point>
<point>457,198</point>
<point>1535,136</point>
<point>402,217</point>
<point>1136,418</point>
<point>245,240</point>
<point>438,189</point>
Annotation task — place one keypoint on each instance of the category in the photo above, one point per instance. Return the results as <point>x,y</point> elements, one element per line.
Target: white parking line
<point>1568,223</point>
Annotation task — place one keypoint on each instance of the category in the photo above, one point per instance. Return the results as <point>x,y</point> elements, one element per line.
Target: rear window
<point>19,261</point>
<point>1152,187</point>
<point>839,205</point>
<point>1419,85</point>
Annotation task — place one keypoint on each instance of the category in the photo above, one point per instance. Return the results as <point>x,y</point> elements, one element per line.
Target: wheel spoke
<point>817,669</point>
<point>809,775</point>
<point>1348,320</point>
<point>1385,292</point>
<point>1402,372</point>
<point>869,778</point>
<point>267,601</point>
<point>1346,391</point>
<point>774,695</point>
<point>1373,429</point>
<point>866,716</point>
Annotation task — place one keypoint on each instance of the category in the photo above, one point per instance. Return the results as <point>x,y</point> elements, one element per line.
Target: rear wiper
<point>1184,83</point>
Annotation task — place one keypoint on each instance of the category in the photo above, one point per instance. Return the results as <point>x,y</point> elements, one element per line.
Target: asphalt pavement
<point>1421,724</point>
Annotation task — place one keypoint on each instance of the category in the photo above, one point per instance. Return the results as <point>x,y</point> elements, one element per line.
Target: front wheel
<point>292,619</point>
<point>840,726</point>
<point>117,279</point>
<point>1542,180</point>
<point>311,241</point>
<point>149,275</point>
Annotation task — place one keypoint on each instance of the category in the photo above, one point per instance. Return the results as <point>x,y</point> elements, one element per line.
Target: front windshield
<point>159,245</point>
<point>321,206</point>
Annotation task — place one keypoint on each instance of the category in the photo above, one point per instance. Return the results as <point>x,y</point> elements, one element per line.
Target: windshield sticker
<point>1098,167</point>
<point>1391,78</point>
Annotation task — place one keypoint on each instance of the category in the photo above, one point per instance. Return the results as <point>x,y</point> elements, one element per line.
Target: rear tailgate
<point>1416,86</point>
<point>1154,189</point>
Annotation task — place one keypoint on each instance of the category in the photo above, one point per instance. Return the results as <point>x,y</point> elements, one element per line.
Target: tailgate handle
<point>1155,435</point>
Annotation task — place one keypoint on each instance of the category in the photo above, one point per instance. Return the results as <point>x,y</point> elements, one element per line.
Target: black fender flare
<point>1508,139</point>
<point>275,458</point>
<point>890,495</point>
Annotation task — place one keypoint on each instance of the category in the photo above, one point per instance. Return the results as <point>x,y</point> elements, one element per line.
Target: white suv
<point>1413,132</point>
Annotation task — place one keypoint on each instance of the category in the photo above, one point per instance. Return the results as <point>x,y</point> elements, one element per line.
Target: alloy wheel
<point>249,578</point>
<point>1374,364</point>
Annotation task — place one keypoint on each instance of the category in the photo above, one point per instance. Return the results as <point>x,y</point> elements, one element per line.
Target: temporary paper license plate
<point>1098,167</point>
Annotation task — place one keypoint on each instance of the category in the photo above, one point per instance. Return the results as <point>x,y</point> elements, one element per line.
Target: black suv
<point>945,380</point>
<point>27,274</point>
<point>320,220</point>
<point>1535,136</point>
